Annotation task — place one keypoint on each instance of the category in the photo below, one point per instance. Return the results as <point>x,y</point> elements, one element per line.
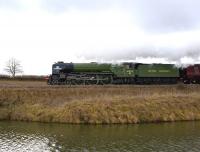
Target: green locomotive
<point>124,73</point>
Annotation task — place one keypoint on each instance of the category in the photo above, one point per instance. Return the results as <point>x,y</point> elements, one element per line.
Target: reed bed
<point>35,101</point>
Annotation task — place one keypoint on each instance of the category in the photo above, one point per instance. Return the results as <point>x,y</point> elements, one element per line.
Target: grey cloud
<point>165,15</point>
<point>153,16</point>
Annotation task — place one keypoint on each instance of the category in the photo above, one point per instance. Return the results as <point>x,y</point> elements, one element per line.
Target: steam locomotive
<point>124,73</point>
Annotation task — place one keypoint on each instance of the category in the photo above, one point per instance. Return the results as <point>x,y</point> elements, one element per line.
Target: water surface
<point>164,137</point>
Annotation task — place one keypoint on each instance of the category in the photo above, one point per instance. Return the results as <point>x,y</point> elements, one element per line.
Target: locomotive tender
<point>124,73</point>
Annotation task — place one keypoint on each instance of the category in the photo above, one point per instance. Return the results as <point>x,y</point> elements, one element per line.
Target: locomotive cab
<point>61,67</point>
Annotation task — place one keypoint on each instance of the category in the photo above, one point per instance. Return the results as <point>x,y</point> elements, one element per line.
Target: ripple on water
<point>10,141</point>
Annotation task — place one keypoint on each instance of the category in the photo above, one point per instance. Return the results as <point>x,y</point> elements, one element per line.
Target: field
<point>36,101</point>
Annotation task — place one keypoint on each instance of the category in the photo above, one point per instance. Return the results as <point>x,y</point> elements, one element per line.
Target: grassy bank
<point>99,104</point>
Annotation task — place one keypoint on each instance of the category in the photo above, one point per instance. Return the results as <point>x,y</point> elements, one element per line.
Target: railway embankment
<point>35,101</point>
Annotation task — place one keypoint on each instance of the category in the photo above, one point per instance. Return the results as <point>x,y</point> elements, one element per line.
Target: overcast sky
<point>41,32</point>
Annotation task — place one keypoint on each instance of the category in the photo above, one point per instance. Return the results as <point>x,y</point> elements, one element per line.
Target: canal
<point>162,137</point>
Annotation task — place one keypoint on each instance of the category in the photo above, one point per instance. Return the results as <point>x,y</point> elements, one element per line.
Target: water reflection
<point>20,136</point>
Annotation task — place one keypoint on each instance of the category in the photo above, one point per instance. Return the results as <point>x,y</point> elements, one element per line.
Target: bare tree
<point>13,67</point>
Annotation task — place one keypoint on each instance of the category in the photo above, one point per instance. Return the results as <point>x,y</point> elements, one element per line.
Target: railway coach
<point>191,74</point>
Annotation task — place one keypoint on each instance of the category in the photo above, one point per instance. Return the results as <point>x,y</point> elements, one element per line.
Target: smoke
<point>179,48</point>
<point>166,31</point>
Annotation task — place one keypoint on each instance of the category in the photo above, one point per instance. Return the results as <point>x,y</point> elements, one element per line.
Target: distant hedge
<point>24,78</point>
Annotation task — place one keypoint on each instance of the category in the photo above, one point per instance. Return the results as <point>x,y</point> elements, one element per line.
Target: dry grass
<point>35,101</point>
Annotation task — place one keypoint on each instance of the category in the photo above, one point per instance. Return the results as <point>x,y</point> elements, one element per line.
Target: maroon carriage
<point>192,74</point>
